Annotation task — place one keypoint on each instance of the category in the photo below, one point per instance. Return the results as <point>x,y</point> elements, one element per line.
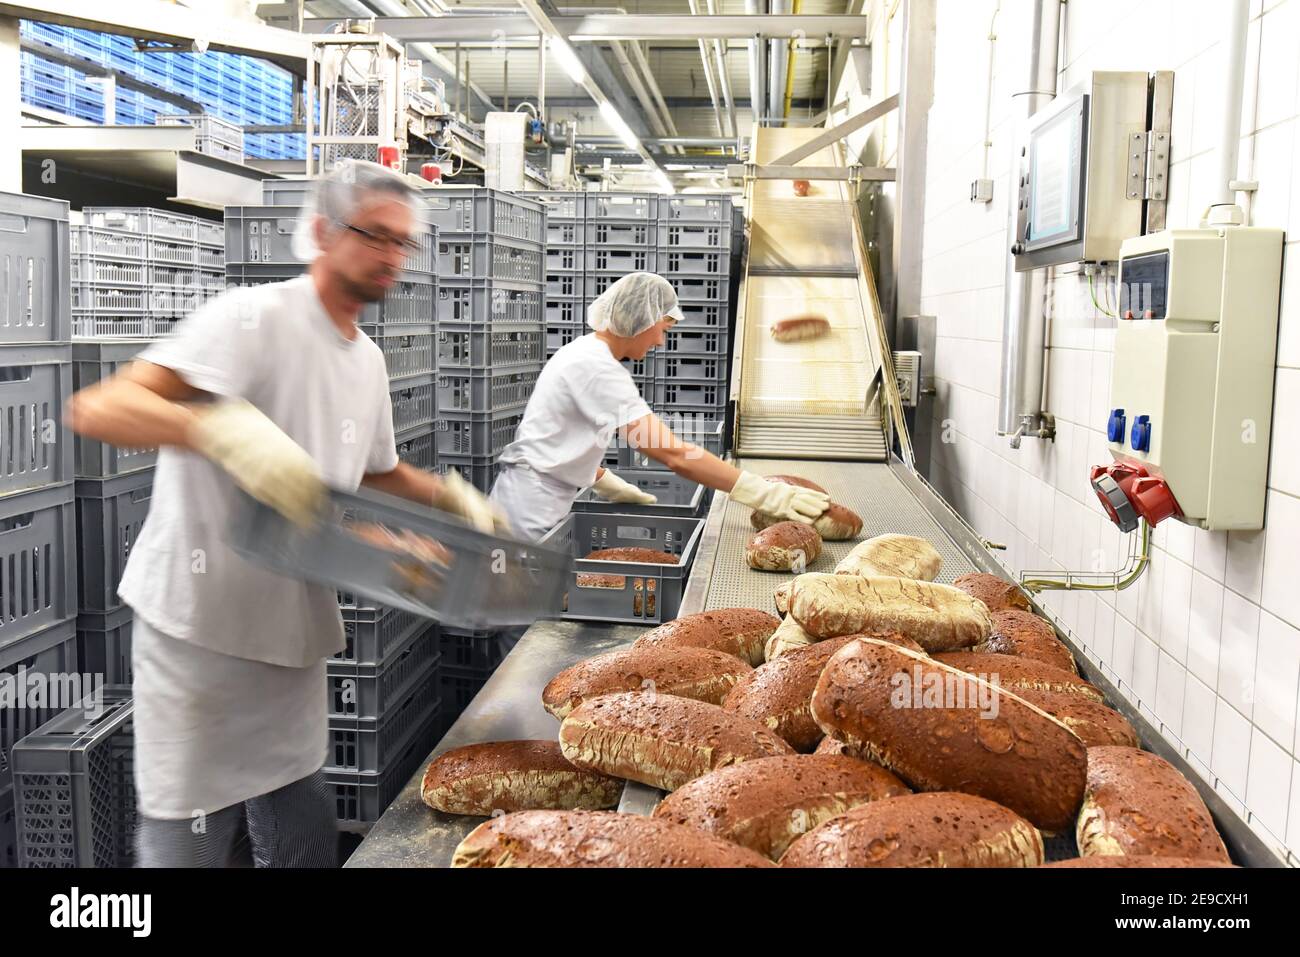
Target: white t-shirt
<point>275,346</point>
<point>583,396</point>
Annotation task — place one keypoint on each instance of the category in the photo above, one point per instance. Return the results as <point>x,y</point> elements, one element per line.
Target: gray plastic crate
<point>621,259</point>
<point>703,315</point>
<point>88,267</point>
<point>570,232</point>
<point>35,306</point>
<point>109,243</point>
<point>595,283</point>
<point>564,258</point>
<point>375,691</point>
<point>418,449</point>
<point>290,191</point>
<point>489,257</point>
<point>74,787</point>
<point>8,829</point>
<point>675,367</point>
<point>693,262</point>
<point>107,299</point>
<point>360,797</point>
<point>624,206</point>
<point>49,653</point>
<point>566,312</point>
<point>141,220</point>
<point>467,347</point>
<point>210,233</point>
<point>477,209</point>
<point>485,391</point>
<point>695,236</point>
<point>565,285</point>
<point>468,650</point>
<point>481,471</point>
<point>180,252</point>
<point>696,209</point>
<point>35,382</point>
<point>610,232</point>
<point>368,744</point>
<point>637,592</point>
<point>406,353</point>
<point>562,205</point>
<point>557,337</point>
<point>706,431</point>
<point>264,235</point>
<point>682,396</point>
<point>700,289</point>
<point>696,342</point>
<point>676,496</point>
<point>210,257</point>
<point>412,400</point>
<point>115,327</point>
<point>486,302</point>
<point>471,434</point>
<point>410,300</point>
<point>104,644</point>
<point>110,514</point>
<point>38,554</point>
<point>373,635</point>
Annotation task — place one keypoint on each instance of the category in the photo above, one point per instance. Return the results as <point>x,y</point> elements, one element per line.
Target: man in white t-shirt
<point>584,395</point>
<point>272,389</point>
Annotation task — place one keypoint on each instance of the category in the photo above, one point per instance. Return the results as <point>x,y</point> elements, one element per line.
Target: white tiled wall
<point>1207,643</point>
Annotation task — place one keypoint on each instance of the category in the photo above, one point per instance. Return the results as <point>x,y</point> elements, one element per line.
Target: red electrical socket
<point>1128,492</point>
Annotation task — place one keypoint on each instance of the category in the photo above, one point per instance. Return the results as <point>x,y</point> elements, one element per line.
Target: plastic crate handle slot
<point>11,223</point>
<point>16,523</point>
<point>15,373</point>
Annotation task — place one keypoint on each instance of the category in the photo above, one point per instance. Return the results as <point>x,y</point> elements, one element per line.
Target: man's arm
<point>143,406</point>
<point>653,438</point>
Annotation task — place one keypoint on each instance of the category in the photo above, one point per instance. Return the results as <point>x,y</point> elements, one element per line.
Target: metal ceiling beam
<point>825,139</point>
<point>600,28</point>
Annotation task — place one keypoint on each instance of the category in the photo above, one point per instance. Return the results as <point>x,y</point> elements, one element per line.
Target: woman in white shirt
<point>584,395</point>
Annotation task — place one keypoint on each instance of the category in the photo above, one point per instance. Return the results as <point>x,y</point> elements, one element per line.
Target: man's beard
<point>364,292</point>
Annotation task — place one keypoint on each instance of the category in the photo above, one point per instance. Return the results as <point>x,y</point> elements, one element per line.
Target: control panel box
<point>1192,379</point>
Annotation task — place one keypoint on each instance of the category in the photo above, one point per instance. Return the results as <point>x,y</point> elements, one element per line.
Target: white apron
<point>533,503</point>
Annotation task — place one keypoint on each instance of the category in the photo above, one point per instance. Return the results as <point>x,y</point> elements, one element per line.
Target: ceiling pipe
<point>777,65</point>
<point>757,66</point>
<point>652,85</point>
<point>724,78</point>
<point>638,88</point>
<point>707,66</point>
<point>1223,204</point>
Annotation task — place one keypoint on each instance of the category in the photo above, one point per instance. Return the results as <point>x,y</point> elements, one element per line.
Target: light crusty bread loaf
<point>781,597</point>
<point>798,328</point>
<point>737,631</point>
<point>997,593</point>
<point>596,839</point>
<point>787,638</point>
<point>765,804</point>
<point>700,673</point>
<point>513,776</point>
<point>1137,862</point>
<point>783,547</point>
<point>1016,673</point>
<point>838,523</point>
<point>941,829</point>
<point>1033,638</point>
<point>937,616</point>
<point>796,480</point>
<point>1138,803</point>
<point>779,693</point>
<point>1094,723</point>
<point>661,740</point>
<point>940,729</point>
<point>894,556</point>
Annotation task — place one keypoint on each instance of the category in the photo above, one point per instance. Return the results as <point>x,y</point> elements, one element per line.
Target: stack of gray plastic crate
<point>490,330</point>
<point>566,223</point>
<point>37,511</point>
<point>137,271</point>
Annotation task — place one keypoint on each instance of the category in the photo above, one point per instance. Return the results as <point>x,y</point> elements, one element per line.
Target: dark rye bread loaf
<point>779,693</point>
<point>783,547</point>
<point>513,776</point>
<point>940,829</point>
<point>766,804</point>
<point>1021,633</point>
<point>596,839</point>
<point>938,617</point>
<point>997,593</point>
<point>642,555</point>
<point>1138,803</point>
<point>737,631</point>
<point>1015,673</point>
<point>797,328</point>
<point>661,740</point>
<point>700,673</point>
<point>796,480</point>
<point>1094,723</point>
<point>1137,862</point>
<point>838,523</point>
<point>940,729</point>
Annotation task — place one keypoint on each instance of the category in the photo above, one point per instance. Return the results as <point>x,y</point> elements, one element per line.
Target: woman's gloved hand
<point>461,498</point>
<point>789,503</point>
<point>262,460</point>
<point>614,489</point>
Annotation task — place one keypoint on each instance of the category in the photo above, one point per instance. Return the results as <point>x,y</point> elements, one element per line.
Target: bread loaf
<point>1094,723</point>
<point>894,556</point>
<point>787,638</point>
<point>641,555</point>
<point>941,829</point>
<point>940,729</point>
<point>997,593</point>
<point>1136,862</point>
<point>1137,803</point>
<point>596,839</point>
<point>1025,635</point>
<point>796,480</point>
<point>940,618</point>
<point>1016,674</point>
<point>779,693</point>
<point>837,524</point>
<point>829,745</point>
<point>513,776</point>
<point>781,597</point>
<point>700,673</point>
<point>799,328</point>
<point>765,804</point>
<point>737,631</point>
<point>785,546</point>
<point>661,740</point>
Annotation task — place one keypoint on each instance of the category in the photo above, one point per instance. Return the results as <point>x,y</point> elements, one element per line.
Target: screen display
<point>1055,165</point>
<point>1144,285</point>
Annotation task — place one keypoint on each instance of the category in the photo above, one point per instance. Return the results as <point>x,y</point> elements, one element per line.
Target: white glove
<point>789,503</point>
<point>461,498</point>
<point>614,489</point>
<point>262,460</point>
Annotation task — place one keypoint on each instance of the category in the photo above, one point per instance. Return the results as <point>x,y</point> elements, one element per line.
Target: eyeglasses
<point>385,240</point>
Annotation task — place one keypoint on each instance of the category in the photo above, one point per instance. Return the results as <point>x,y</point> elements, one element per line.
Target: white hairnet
<point>338,196</point>
<point>634,304</point>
